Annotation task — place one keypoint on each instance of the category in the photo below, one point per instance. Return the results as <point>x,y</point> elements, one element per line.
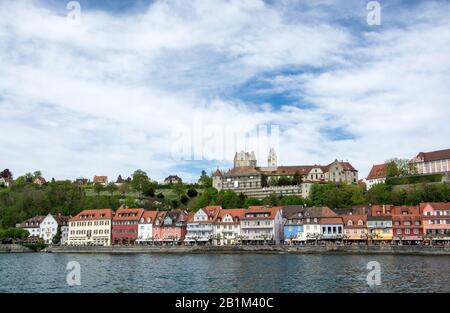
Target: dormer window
<point>360,223</point>
<point>350,223</point>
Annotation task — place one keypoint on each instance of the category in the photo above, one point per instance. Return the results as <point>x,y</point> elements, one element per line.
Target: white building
<point>227,229</point>
<point>32,225</point>
<point>49,227</point>
<point>262,225</point>
<point>200,227</point>
<point>376,175</point>
<point>145,226</point>
<point>433,162</point>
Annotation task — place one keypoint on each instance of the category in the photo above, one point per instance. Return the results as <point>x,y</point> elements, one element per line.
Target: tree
<point>124,189</point>
<point>37,174</point>
<point>205,180</point>
<point>400,167</point>
<point>57,238</point>
<point>148,190</point>
<point>192,193</point>
<point>297,179</point>
<point>184,199</point>
<point>6,174</point>
<point>98,187</point>
<point>139,180</point>
<point>111,188</point>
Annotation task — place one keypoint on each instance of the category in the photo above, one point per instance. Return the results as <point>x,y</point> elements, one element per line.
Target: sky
<point>175,87</point>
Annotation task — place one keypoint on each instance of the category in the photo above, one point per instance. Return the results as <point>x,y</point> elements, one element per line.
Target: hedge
<point>416,179</point>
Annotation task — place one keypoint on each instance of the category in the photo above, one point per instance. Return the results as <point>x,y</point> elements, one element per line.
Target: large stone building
<point>248,178</point>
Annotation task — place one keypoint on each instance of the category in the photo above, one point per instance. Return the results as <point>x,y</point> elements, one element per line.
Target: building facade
<point>173,227</point>
<point>200,226</point>
<point>376,175</point>
<point>32,225</point>
<point>125,225</point>
<point>436,220</point>
<point>247,178</point>
<point>261,224</point>
<point>227,229</point>
<point>50,225</point>
<point>91,227</point>
<point>407,224</point>
<point>145,227</point>
<point>331,228</point>
<point>355,227</point>
<point>433,162</point>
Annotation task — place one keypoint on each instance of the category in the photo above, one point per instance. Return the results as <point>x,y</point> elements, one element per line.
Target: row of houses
<point>294,224</point>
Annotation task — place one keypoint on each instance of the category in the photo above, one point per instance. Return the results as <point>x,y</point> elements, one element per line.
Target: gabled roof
<point>377,171</point>
<point>217,173</point>
<point>128,214</point>
<point>242,170</point>
<point>354,218</point>
<point>149,214</point>
<point>95,214</point>
<point>35,220</point>
<point>176,216</point>
<point>436,205</point>
<point>100,179</point>
<point>271,211</point>
<point>434,155</point>
<point>234,213</point>
<point>61,219</point>
<point>331,220</point>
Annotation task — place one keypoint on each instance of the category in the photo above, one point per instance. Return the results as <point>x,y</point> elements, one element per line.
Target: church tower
<point>272,159</point>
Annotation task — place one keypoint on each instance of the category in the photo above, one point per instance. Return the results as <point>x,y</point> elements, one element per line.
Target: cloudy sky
<point>165,85</point>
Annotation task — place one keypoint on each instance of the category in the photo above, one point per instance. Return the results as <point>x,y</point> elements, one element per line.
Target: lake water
<point>46,272</point>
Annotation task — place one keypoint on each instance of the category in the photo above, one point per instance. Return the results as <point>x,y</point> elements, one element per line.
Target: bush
<point>416,179</point>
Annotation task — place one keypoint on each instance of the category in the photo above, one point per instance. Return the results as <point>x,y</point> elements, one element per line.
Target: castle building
<point>248,178</point>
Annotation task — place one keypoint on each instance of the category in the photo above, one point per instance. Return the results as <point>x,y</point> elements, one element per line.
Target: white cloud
<point>104,97</point>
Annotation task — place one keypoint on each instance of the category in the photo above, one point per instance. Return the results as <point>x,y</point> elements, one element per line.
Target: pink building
<point>170,227</point>
<point>436,220</point>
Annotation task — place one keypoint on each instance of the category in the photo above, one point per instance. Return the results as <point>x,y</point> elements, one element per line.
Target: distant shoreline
<point>343,250</point>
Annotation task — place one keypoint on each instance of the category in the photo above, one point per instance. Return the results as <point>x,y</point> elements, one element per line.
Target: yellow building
<point>380,228</point>
<point>355,227</point>
<point>91,227</point>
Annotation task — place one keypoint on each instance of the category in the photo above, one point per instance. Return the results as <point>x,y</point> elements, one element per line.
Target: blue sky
<point>143,84</point>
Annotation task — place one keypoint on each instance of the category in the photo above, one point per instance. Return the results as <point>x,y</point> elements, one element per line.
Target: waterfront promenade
<point>278,249</point>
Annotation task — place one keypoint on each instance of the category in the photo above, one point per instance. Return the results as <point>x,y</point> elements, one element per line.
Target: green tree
<point>57,238</point>
<point>192,193</point>
<point>139,180</point>
<point>205,180</point>
<point>98,188</point>
<point>111,188</point>
<point>297,179</point>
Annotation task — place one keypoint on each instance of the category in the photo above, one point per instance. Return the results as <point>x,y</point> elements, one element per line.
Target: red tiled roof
<point>100,179</point>
<point>235,213</point>
<point>261,209</point>
<point>436,205</point>
<point>128,214</point>
<point>377,171</point>
<point>217,173</point>
<point>434,155</point>
<point>149,214</point>
<point>95,214</point>
<point>354,219</point>
<point>331,220</point>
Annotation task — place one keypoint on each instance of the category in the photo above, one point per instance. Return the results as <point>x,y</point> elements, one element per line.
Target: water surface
<point>46,272</point>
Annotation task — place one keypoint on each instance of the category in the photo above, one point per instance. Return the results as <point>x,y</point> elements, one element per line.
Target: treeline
<point>25,200</point>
